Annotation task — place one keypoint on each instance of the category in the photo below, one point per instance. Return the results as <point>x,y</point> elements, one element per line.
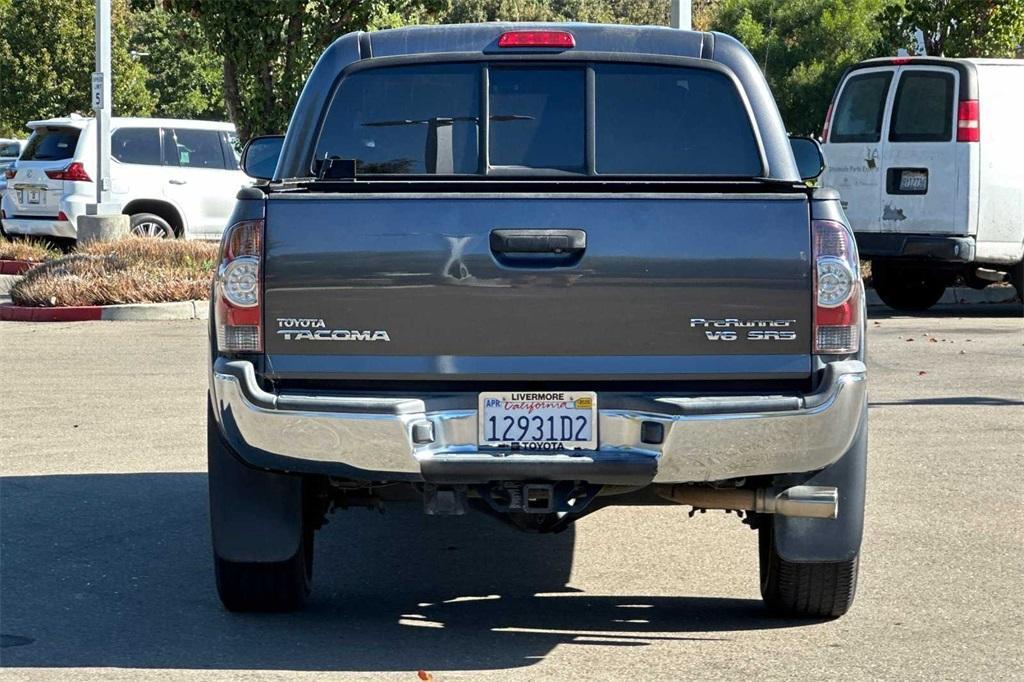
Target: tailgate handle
<point>558,242</point>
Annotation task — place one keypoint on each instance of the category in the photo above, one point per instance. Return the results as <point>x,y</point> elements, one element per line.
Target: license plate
<point>539,420</point>
<point>914,181</point>
<point>31,196</point>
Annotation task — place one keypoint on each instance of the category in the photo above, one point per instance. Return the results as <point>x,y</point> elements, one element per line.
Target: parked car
<point>174,178</point>
<point>926,153</point>
<point>10,149</point>
<point>537,270</point>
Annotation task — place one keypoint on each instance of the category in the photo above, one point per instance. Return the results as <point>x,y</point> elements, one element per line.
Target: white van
<point>928,155</point>
<point>174,178</point>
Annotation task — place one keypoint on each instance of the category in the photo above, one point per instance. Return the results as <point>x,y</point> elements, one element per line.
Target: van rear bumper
<point>641,440</point>
<point>947,249</point>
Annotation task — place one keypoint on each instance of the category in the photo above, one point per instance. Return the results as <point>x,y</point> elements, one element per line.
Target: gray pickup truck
<point>533,271</point>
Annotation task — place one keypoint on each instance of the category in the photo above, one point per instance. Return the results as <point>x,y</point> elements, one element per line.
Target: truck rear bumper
<point>947,249</point>
<point>660,440</point>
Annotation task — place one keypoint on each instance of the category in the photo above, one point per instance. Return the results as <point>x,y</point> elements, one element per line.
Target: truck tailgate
<point>413,286</point>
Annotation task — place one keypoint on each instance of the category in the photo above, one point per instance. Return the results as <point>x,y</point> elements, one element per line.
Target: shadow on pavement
<point>984,401</point>
<point>882,312</point>
<point>115,571</point>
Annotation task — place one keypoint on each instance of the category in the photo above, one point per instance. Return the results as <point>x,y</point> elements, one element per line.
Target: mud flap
<point>255,515</point>
<point>829,540</point>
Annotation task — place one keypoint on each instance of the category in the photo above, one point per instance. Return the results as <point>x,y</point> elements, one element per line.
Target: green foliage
<point>47,56</point>
<point>803,46</point>
<point>654,12</point>
<point>269,47</point>
<point>184,74</point>
<point>957,28</point>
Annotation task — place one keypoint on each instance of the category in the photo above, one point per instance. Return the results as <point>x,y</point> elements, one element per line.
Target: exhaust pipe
<point>806,501</point>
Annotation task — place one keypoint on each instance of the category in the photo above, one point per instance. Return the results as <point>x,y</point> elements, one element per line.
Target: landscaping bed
<point>130,270</point>
<point>20,256</point>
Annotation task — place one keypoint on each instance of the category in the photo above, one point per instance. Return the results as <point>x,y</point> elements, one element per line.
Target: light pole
<point>103,220</point>
<point>101,92</point>
<point>682,14</point>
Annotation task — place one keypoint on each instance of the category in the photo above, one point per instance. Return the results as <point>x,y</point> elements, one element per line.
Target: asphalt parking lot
<point>105,566</point>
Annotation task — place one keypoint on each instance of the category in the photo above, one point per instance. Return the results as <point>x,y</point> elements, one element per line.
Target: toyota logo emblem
<point>28,174</point>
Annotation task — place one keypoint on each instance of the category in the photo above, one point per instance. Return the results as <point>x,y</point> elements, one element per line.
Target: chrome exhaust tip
<point>805,501</point>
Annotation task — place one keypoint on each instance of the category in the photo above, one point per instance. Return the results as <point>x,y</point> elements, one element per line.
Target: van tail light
<point>75,172</point>
<point>968,123</point>
<point>837,289</point>
<point>238,312</point>
<point>827,124</point>
<point>562,39</point>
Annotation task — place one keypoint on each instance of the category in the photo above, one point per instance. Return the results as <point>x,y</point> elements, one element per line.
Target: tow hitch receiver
<point>538,498</point>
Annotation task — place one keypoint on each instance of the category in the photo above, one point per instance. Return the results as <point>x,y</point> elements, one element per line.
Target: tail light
<point>837,289</point>
<point>236,289</point>
<point>827,124</point>
<point>75,172</point>
<point>968,123</point>
<point>10,172</point>
<point>61,215</point>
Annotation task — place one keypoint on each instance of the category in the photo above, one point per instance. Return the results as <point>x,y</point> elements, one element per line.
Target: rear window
<point>858,115</point>
<point>51,144</point>
<point>136,145</point>
<point>923,108</point>
<point>647,120</point>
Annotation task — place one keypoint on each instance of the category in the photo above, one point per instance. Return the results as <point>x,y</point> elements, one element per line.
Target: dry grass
<point>27,249</point>
<point>131,270</point>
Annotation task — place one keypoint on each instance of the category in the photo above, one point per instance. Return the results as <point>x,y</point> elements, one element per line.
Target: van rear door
<point>925,179</point>
<point>855,142</point>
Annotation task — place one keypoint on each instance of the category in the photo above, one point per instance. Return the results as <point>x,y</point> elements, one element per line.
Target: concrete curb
<point>16,267</point>
<point>179,310</point>
<point>7,283</point>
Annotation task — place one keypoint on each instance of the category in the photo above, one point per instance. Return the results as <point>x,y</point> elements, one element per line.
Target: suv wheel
<point>151,225</point>
<point>907,287</point>
<point>816,590</point>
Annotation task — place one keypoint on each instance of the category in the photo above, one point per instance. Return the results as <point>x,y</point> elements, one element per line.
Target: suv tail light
<point>74,172</point>
<point>968,123</point>
<point>10,172</point>
<point>236,289</point>
<point>837,289</point>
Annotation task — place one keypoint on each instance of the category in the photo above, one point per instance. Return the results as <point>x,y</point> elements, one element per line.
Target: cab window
<point>858,115</point>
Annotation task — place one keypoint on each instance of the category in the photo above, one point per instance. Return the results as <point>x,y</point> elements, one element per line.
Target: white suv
<point>174,178</point>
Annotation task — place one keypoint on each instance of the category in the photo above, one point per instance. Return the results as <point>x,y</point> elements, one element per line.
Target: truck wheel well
<point>160,208</point>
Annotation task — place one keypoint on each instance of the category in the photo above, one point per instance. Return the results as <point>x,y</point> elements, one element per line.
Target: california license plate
<point>31,196</point>
<point>539,420</point>
<point>914,181</point>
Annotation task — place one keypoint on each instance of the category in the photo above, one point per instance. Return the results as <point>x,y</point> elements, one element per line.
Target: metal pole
<point>682,12</point>
<point>101,90</point>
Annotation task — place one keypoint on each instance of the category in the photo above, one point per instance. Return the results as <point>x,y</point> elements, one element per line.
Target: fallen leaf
<point>910,339</point>
<point>424,675</point>
<point>921,373</point>
<point>933,340</point>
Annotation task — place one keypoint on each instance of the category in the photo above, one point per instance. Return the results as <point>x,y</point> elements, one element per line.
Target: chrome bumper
<point>702,439</point>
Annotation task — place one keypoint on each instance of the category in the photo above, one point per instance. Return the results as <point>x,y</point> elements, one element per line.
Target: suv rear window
<point>647,119</point>
<point>51,144</point>
<point>858,115</point>
<point>923,108</point>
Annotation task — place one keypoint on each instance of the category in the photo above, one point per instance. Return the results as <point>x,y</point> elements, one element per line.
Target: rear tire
<point>151,225</point>
<point>907,287</point>
<point>1016,277</point>
<point>804,590</point>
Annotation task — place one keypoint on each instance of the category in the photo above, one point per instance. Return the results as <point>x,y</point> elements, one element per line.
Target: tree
<point>958,28</point>
<point>184,74</point>
<point>47,56</point>
<point>268,47</point>
<point>803,46</point>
